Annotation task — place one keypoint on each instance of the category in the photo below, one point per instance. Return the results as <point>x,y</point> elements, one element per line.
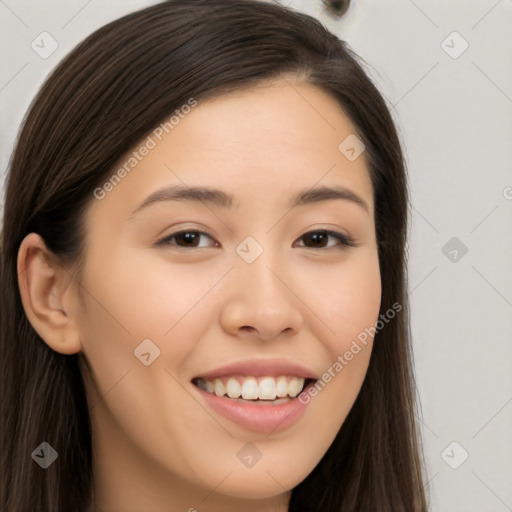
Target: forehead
<point>282,114</point>
<point>255,143</point>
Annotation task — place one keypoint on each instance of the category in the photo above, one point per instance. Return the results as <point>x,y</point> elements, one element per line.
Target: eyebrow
<point>223,199</point>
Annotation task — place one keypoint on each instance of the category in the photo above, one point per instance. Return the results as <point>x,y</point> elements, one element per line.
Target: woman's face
<point>249,296</point>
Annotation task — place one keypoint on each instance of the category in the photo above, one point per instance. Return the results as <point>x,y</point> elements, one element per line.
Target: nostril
<point>337,7</point>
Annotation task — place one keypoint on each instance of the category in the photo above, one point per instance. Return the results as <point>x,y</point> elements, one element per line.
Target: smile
<point>270,406</point>
<point>254,388</point>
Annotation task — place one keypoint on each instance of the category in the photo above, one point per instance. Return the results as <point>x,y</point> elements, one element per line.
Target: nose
<point>262,302</point>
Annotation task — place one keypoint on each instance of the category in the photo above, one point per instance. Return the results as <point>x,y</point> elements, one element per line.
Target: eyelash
<point>345,240</point>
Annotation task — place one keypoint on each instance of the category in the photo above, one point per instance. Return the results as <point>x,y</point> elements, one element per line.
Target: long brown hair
<point>101,100</point>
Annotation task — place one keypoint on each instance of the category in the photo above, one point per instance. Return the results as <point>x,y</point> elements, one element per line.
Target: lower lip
<point>256,417</point>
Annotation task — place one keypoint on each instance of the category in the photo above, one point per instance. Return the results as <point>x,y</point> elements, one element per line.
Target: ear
<point>46,290</point>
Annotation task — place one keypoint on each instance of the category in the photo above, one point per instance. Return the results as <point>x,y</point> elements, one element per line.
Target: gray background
<point>453,109</point>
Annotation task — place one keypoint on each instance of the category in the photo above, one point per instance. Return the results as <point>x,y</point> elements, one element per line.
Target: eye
<point>318,237</point>
<point>188,237</point>
<point>315,239</point>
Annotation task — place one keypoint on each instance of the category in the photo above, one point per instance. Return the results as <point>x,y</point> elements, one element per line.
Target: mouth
<point>266,405</point>
<point>258,390</point>
<point>258,395</point>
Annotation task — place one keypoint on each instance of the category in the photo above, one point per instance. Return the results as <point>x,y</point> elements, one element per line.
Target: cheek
<point>348,300</point>
<point>128,302</point>
<point>348,305</point>
<point>138,297</point>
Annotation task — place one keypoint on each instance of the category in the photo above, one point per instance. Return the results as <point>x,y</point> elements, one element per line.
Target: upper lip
<point>261,368</point>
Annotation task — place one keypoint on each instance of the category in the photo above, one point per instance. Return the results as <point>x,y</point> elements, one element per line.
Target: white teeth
<point>220,389</point>
<point>252,388</point>
<point>281,387</point>
<point>233,388</point>
<point>267,389</point>
<point>295,386</point>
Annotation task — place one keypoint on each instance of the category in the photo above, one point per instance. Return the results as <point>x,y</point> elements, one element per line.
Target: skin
<point>156,447</point>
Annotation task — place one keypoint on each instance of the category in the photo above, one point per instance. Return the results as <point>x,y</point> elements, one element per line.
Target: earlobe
<point>43,284</point>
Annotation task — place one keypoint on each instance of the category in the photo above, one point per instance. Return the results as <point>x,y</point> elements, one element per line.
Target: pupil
<point>317,237</point>
<point>189,237</point>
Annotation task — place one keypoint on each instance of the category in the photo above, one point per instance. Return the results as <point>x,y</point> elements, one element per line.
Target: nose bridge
<point>261,296</point>
<point>257,266</point>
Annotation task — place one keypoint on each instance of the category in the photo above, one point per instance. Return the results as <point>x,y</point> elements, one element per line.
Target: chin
<point>265,482</point>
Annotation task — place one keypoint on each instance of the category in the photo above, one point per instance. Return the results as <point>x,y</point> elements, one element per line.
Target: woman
<point>260,370</point>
